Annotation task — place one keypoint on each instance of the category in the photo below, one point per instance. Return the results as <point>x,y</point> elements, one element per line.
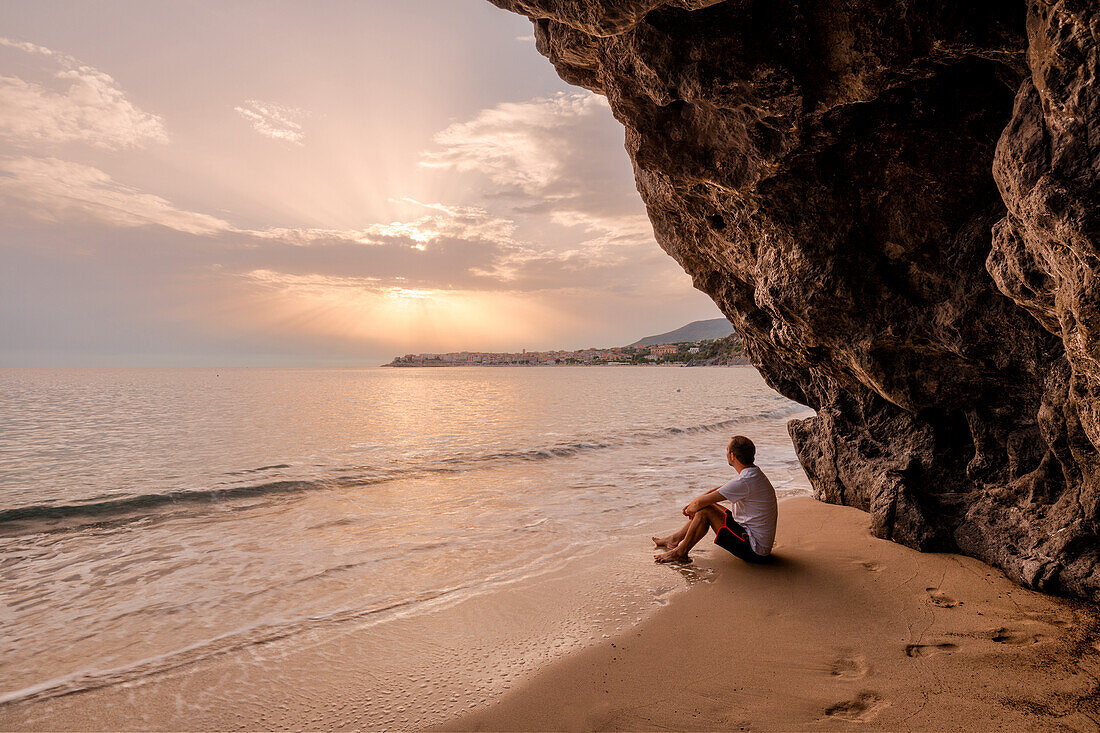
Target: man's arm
<point>708,499</point>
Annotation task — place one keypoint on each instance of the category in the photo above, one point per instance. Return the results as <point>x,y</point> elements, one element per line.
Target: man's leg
<point>704,519</point>
<point>673,539</point>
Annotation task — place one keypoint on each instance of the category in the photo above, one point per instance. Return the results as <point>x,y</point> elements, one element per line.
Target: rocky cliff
<point>895,202</point>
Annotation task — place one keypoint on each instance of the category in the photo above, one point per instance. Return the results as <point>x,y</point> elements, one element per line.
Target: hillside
<point>714,328</point>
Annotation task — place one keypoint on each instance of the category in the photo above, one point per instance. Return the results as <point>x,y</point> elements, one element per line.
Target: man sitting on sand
<point>747,531</point>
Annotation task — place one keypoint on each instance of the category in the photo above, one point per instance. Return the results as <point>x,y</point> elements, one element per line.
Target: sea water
<point>154,519</point>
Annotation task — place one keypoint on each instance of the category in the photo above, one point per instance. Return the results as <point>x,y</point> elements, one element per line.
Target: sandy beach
<point>843,632</point>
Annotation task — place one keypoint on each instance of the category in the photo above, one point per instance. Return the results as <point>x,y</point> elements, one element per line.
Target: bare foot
<point>668,542</point>
<point>672,556</point>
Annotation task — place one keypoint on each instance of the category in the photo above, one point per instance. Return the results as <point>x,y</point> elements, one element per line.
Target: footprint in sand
<point>1014,637</point>
<point>694,574</point>
<point>849,667</point>
<point>863,707</point>
<point>1048,617</point>
<point>941,599</point>
<point>927,650</point>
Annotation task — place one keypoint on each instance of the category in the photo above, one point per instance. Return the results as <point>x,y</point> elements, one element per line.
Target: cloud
<point>274,120</point>
<point>27,47</point>
<point>77,104</point>
<point>319,282</point>
<point>558,213</point>
<point>465,222</point>
<point>521,144</point>
<point>609,229</point>
<point>448,248</point>
<point>557,159</point>
<point>53,190</point>
<point>322,286</point>
<point>49,189</point>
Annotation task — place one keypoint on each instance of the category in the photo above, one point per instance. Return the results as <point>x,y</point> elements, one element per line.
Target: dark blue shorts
<point>735,538</point>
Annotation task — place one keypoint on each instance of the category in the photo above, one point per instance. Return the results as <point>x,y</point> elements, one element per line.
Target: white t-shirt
<point>754,507</point>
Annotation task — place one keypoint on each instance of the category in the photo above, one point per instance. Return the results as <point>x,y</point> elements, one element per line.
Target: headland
<point>725,351</point>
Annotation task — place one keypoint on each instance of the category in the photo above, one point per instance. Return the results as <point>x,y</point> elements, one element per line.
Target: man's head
<point>740,451</point>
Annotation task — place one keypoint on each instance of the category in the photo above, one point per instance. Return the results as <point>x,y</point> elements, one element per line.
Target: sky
<point>328,183</point>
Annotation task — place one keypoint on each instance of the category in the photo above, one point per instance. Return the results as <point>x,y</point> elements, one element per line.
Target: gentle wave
<point>261,469</point>
<point>142,504</point>
<point>132,504</point>
<point>434,599</point>
<point>564,450</point>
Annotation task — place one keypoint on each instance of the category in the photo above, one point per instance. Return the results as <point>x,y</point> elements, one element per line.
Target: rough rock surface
<point>895,202</point>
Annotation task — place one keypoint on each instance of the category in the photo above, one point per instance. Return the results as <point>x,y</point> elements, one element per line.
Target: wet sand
<point>843,632</point>
<point>406,669</point>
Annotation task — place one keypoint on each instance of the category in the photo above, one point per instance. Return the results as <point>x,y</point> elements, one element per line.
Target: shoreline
<point>604,364</point>
<point>382,671</point>
<point>843,630</point>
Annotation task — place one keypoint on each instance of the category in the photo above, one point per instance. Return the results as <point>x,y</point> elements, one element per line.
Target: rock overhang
<point>895,204</point>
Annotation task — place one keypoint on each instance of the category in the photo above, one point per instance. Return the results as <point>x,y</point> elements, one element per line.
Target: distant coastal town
<point>725,351</point>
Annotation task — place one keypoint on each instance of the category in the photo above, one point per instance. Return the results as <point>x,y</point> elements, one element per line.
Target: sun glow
<point>407,293</point>
<point>363,311</point>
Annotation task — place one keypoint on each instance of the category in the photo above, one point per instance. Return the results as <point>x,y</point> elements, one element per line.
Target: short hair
<point>742,449</point>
